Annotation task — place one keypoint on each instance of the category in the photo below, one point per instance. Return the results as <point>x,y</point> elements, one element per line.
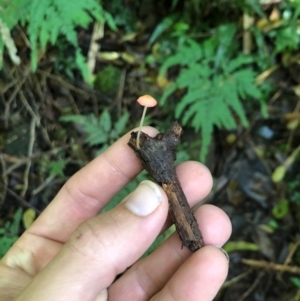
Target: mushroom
<point>147,101</point>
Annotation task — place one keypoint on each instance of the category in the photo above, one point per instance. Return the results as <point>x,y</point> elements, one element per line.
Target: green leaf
<point>165,24</point>
<point>281,209</point>
<point>105,121</point>
<point>287,39</point>
<point>56,168</point>
<point>279,173</point>
<point>251,6</point>
<point>192,53</point>
<point>295,281</point>
<point>121,123</point>
<point>110,21</point>
<point>232,246</point>
<point>82,66</point>
<point>238,62</point>
<point>99,131</point>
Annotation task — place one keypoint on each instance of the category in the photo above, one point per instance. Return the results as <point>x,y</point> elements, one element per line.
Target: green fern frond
<point>245,82</point>
<point>56,168</point>
<point>238,62</point>
<point>47,19</point>
<point>231,99</point>
<point>213,95</point>
<point>225,117</point>
<point>105,121</point>
<point>192,52</point>
<point>99,130</point>
<point>169,90</point>
<point>169,62</point>
<point>121,123</point>
<point>190,97</point>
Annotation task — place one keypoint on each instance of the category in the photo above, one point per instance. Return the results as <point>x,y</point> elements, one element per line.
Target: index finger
<point>89,190</point>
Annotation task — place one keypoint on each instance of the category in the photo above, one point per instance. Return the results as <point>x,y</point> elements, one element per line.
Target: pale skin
<point>72,253</point>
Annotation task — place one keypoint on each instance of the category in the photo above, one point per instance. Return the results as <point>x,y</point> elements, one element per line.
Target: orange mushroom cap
<point>147,101</point>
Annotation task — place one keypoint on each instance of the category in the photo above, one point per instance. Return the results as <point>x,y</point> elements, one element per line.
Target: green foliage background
<point>216,83</point>
<point>49,19</point>
<point>217,79</point>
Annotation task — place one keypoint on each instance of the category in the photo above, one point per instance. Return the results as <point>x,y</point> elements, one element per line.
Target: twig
<point>23,35</point>
<point>272,266</point>
<point>293,250</point>
<point>251,288</point>
<point>29,153</point>
<point>22,201</point>
<point>72,100</point>
<point>11,98</point>
<point>64,83</point>
<point>235,279</point>
<point>43,185</point>
<point>120,92</point>
<point>98,33</point>
<point>296,297</point>
<point>158,155</point>
<point>248,21</point>
<point>9,85</point>
<point>292,134</point>
<point>29,109</point>
<point>34,156</point>
<point>4,181</point>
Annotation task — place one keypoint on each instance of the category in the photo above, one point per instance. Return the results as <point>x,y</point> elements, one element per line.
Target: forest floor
<point>39,152</point>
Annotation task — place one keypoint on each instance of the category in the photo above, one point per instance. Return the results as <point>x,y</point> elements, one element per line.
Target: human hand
<point>71,253</point>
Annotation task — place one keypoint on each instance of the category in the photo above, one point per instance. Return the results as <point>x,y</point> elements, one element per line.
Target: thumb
<point>102,247</point>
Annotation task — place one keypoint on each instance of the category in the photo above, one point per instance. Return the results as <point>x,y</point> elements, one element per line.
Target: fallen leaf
<point>240,246</point>
<point>28,217</point>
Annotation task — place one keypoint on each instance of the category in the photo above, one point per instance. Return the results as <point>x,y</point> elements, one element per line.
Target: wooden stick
<point>158,155</point>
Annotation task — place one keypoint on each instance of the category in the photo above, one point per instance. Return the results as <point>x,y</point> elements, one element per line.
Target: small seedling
<point>147,101</point>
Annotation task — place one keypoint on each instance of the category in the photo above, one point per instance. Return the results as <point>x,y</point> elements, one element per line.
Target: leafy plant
<point>295,281</point>
<point>48,19</point>
<point>215,83</point>
<point>287,36</point>
<point>99,131</point>
<point>125,14</point>
<point>56,168</point>
<point>9,233</point>
<point>283,31</point>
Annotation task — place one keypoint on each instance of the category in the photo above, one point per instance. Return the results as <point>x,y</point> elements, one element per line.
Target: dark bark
<point>158,155</point>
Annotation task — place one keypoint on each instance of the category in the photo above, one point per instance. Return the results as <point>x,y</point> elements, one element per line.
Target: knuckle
<point>91,238</point>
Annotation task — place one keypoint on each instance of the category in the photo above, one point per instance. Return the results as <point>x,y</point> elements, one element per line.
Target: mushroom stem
<point>140,128</point>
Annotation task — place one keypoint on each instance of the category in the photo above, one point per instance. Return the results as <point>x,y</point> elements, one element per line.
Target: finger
<point>150,275</point>
<point>199,278</point>
<point>101,248</point>
<point>89,190</point>
<point>195,179</point>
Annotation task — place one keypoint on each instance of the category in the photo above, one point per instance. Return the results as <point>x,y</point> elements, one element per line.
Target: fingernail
<point>224,252</point>
<point>145,199</point>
